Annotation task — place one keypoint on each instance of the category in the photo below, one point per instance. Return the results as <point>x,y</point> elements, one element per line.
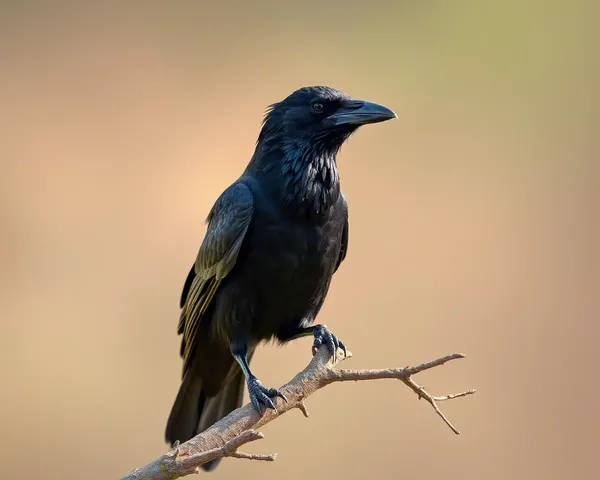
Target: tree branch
<point>239,427</point>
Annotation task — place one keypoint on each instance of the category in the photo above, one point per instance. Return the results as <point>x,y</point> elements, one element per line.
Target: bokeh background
<point>475,228</point>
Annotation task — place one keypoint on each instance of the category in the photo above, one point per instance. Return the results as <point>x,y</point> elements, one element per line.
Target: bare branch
<point>180,460</point>
<point>454,395</point>
<point>404,374</point>
<point>344,375</point>
<point>422,393</point>
<point>239,427</point>
<point>269,457</point>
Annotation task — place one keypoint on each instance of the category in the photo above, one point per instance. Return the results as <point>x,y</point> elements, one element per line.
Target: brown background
<point>475,228</point>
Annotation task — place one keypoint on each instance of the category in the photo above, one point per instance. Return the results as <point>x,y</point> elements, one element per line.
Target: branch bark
<point>240,427</point>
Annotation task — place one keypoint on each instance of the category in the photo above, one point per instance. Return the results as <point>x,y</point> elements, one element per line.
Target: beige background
<point>475,228</point>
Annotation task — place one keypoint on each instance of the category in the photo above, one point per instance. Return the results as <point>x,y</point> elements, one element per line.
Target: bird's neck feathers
<point>305,172</point>
<point>310,176</point>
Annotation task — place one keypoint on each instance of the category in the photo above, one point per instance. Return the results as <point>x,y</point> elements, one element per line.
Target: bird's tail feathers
<point>215,408</point>
<point>186,411</point>
<point>193,412</point>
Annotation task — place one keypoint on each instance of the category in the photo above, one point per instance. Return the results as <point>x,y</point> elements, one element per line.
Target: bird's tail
<point>193,412</point>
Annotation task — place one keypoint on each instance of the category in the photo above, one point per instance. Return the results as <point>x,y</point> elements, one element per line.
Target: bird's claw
<point>324,336</point>
<point>262,397</point>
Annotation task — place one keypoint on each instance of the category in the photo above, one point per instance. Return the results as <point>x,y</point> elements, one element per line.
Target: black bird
<point>275,237</point>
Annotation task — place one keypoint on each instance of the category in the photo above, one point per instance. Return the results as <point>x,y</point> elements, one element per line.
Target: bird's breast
<point>296,252</point>
<point>289,264</point>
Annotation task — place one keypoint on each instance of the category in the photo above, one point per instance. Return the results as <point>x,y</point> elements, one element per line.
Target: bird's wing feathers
<point>187,285</point>
<point>344,239</point>
<point>344,248</point>
<point>228,222</point>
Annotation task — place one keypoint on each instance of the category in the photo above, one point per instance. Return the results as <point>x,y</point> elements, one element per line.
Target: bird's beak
<point>360,112</point>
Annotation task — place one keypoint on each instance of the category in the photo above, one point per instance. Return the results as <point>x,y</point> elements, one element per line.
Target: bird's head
<point>300,138</point>
<point>320,117</point>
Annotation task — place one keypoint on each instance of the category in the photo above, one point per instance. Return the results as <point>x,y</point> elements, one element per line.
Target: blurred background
<point>475,228</point>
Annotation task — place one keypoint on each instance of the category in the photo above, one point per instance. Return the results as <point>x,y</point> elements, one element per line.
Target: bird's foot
<point>324,336</point>
<point>261,396</point>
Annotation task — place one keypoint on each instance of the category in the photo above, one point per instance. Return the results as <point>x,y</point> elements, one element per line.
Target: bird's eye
<point>318,107</point>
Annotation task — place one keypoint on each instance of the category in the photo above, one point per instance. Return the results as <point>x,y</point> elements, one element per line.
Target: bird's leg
<point>322,336</point>
<point>260,396</point>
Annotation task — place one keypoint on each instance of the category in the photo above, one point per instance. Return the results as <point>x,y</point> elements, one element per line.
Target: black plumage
<point>275,237</point>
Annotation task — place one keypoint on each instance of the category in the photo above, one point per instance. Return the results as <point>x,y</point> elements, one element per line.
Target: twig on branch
<point>240,427</point>
<point>405,375</point>
<point>180,461</point>
<point>420,391</point>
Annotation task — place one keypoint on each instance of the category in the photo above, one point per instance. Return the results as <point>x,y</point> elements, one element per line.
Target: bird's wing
<point>228,222</point>
<point>344,247</point>
<point>344,239</point>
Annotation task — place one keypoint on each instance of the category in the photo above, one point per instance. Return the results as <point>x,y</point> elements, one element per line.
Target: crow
<point>274,239</point>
